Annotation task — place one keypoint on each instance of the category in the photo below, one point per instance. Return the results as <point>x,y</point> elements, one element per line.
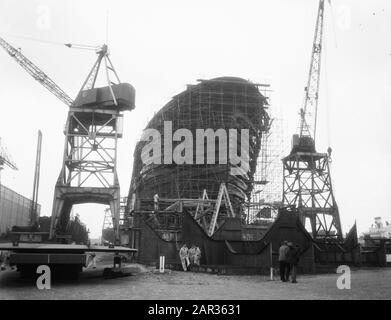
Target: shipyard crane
<point>308,114</point>
<point>307,179</point>
<point>5,160</point>
<point>93,126</point>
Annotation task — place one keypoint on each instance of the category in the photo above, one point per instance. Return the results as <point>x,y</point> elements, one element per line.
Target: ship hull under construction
<point>224,103</point>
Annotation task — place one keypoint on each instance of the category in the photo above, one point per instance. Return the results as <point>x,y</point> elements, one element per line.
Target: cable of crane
<point>81,46</point>
<point>34,39</point>
<point>333,23</point>
<point>327,88</point>
<point>69,45</point>
<point>326,95</point>
<point>107,27</point>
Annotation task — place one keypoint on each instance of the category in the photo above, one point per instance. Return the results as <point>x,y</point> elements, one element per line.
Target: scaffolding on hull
<point>266,197</point>
<point>221,103</point>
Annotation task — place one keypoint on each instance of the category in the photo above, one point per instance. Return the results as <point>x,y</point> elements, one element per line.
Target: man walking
<point>117,261</point>
<point>293,259</point>
<point>184,256</point>
<point>92,260</point>
<point>156,202</point>
<point>192,252</point>
<point>4,259</point>
<point>197,256</point>
<point>282,259</point>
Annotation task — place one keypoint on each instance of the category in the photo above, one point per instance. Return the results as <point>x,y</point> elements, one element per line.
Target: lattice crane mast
<point>307,179</point>
<point>308,114</point>
<point>36,72</point>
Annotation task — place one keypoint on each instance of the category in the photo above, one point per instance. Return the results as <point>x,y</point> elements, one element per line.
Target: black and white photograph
<point>196,153</point>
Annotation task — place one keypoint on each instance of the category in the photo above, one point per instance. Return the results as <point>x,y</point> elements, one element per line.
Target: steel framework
<point>209,213</point>
<point>307,186</point>
<point>107,220</point>
<point>265,197</point>
<point>221,103</point>
<point>5,160</point>
<point>93,126</point>
<point>124,218</point>
<point>307,181</point>
<point>308,115</point>
<point>89,167</point>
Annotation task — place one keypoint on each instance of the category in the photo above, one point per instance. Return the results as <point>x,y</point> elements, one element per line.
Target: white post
<point>271,262</point>
<point>161,265</point>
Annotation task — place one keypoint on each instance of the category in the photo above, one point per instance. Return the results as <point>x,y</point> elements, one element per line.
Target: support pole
<point>34,200</point>
<point>271,261</point>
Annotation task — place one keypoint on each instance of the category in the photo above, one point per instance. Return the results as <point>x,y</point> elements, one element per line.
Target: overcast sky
<point>160,46</point>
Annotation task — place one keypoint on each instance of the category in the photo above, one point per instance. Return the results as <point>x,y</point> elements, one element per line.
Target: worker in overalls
<point>192,252</point>
<point>92,260</point>
<point>156,202</point>
<point>117,261</point>
<point>197,256</point>
<point>4,255</point>
<point>184,256</point>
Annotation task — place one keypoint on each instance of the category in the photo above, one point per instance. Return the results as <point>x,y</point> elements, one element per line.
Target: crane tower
<point>307,179</point>
<point>94,124</point>
<point>93,127</point>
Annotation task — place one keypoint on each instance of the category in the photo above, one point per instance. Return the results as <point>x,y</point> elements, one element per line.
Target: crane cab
<point>302,144</point>
<point>101,98</point>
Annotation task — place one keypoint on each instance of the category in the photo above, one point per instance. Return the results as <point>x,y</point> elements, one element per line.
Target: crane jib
<point>36,72</point>
<point>308,115</point>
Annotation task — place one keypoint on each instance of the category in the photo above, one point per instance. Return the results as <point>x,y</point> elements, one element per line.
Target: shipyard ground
<point>147,283</point>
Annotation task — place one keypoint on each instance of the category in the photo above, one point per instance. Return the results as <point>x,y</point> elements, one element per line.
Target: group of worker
<point>4,258</point>
<point>117,260</point>
<point>288,258</point>
<point>189,256</point>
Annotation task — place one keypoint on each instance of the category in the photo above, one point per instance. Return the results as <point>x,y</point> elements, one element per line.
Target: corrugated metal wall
<point>14,209</point>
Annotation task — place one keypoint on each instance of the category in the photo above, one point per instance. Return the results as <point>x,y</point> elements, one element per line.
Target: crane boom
<point>9,163</point>
<point>36,73</point>
<point>308,114</point>
<point>34,203</point>
<point>5,159</point>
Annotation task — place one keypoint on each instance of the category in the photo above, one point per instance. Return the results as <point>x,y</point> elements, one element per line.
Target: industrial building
<point>14,210</point>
